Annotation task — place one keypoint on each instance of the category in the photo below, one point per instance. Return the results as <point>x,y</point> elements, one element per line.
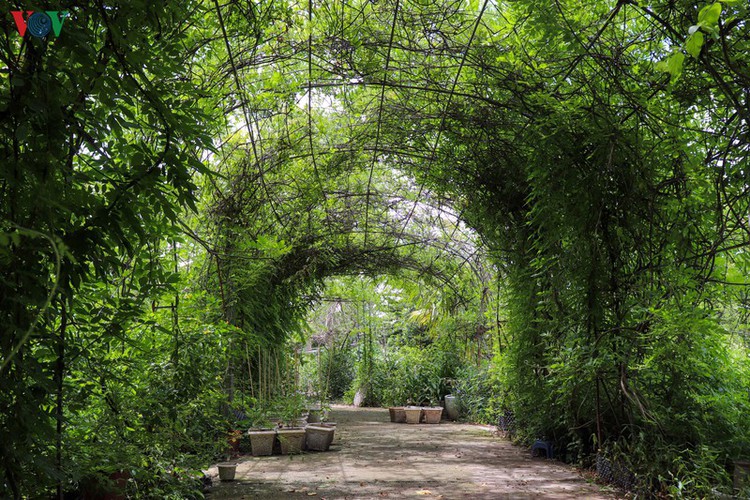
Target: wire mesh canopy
<point>384,123</point>
<point>337,122</point>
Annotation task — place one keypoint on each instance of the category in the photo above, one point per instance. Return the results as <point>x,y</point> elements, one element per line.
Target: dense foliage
<point>540,205</point>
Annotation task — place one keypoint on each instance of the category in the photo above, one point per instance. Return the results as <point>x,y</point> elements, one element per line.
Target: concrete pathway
<point>372,458</point>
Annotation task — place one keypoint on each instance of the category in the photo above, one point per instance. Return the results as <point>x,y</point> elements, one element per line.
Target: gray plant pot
<point>318,437</point>
<point>261,442</point>
<point>227,471</point>
<point>292,440</point>
<point>330,425</point>
<point>451,407</point>
<point>313,416</point>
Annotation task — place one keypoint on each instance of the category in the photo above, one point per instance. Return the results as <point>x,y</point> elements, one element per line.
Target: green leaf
<point>694,44</point>
<point>709,15</point>
<point>674,64</point>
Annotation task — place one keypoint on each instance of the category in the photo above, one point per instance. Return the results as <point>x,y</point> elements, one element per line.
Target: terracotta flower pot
<point>233,442</point>
<point>432,415</point>
<point>397,413</point>
<point>413,414</point>
<point>400,415</point>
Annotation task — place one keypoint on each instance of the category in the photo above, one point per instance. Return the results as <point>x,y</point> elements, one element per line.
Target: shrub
<point>481,393</point>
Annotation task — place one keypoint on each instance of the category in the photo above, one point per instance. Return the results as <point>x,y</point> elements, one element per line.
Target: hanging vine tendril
<point>50,296</point>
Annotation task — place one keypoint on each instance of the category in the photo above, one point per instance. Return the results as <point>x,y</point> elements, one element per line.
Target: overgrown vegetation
<point>541,206</point>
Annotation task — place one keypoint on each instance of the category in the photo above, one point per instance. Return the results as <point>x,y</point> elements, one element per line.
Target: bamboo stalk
<point>249,371</point>
<point>260,376</point>
<point>266,363</point>
<point>276,359</point>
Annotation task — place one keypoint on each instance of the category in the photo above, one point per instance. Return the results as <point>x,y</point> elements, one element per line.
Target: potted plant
<point>325,411</point>
<point>413,414</point>
<point>292,410</point>
<point>238,424</point>
<point>319,437</point>
<point>261,441</point>
<point>292,436</point>
<point>318,412</point>
<point>314,413</point>
<point>291,439</point>
<point>397,414</point>
<point>452,406</point>
<point>227,471</point>
<point>262,433</point>
<point>392,413</point>
<point>330,425</point>
<point>432,414</point>
<point>233,442</point>
<point>326,423</point>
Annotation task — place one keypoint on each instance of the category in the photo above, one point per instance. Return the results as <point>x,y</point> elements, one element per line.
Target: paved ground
<point>373,458</point>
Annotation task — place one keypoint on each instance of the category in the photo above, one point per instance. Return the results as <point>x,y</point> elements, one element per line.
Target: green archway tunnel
<point>180,178</point>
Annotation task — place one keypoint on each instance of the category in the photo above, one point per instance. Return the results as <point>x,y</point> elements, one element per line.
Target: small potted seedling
<point>292,435</point>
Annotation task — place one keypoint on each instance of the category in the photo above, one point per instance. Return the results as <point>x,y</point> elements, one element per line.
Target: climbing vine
<point>181,184</point>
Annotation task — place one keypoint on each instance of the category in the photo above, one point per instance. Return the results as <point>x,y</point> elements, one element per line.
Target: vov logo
<point>39,24</point>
